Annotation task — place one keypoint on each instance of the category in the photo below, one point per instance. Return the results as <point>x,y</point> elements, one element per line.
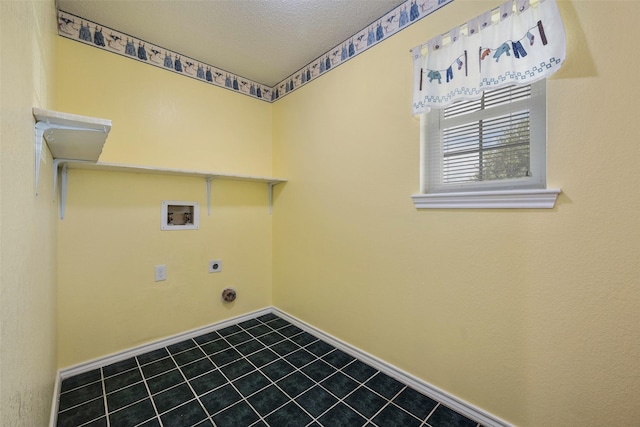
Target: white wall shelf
<point>68,136</point>
<point>207,176</point>
<point>77,141</point>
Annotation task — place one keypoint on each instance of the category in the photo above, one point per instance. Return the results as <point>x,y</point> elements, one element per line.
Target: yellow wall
<point>28,225</point>
<point>531,315</point>
<point>110,239</point>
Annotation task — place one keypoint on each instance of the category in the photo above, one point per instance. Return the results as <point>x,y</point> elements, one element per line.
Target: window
<point>487,152</point>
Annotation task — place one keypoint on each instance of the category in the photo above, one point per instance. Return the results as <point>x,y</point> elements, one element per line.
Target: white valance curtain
<point>518,43</point>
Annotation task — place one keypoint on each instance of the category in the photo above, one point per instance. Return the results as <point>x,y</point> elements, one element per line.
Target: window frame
<point>527,192</point>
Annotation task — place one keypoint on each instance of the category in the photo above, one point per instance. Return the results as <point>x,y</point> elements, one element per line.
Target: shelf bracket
<point>64,179</point>
<point>209,179</point>
<point>40,128</point>
<point>270,195</point>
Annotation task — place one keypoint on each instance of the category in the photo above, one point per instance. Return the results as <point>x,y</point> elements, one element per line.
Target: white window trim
<point>505,199</point>
<point>520,198</point>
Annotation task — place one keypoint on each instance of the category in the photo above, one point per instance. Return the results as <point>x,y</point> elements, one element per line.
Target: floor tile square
<point>173,397</point>
<point>338,358</point>
<point>239,414</point>
<point>268,317</point>
<point>132,415</point>
<point>208,337</point>
<point>319,348</point>
<point>250,347</point>
<point>118,367</point>
<point>229,330</point>
<point>237,369</point>
<point>284,347</point>
<point>249,323</point>
<point>164,381</point>
<point>152,356</point>
<point>220,398</point>
<point>73,417</point>
<point>300,358</point>
<point>80,380</point>
<point>251,383</point>
<point>197,368</point>
<point>366,402</point>
<point>188,356</point>
<point>124,379</point>
<point>208,382</point>
<point>184,415</point>
<point>316,400</point>
<point>278,323</point>
<point>126,396</point>
<point>277,369</point>
<point>259,330</point>
<point>416,403</point>
<point>158,367</point>
<point>289,331</point>
<point>393,416</point>
<point>238,338</point>
<point>295,383</point>
<point>445,417</point>
<point>215,346</point>
<point>181,346</point>
<point>342,416</point>
<point>303,339</point>
<point>385,385</point>
<point>80,395</point>
<point>339,384</point>
<point>267,400</point>
<point>359,371</point>
<point>270,338</point>
<point>226,356</point>
<point>290,415</point>
<point>319,370</point>
<point>263,357</point>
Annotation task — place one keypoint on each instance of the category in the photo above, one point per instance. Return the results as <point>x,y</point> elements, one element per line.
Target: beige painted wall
<point>532,315</point>
<point>28,225</point>
<point>110,239</point>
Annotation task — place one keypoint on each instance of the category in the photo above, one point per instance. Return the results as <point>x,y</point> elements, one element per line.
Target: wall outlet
<point>215,266</point>
<point>161,272</point>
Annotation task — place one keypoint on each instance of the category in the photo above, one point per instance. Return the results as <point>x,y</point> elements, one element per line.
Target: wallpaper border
<point>96,35</point>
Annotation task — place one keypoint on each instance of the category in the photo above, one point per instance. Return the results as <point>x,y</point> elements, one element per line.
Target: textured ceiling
<point>262,40</point>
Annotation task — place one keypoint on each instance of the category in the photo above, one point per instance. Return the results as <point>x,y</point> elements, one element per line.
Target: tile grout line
<point>144,380</point>
<point>243,398</point>
<point>104,395</point>
<point>189,384</point>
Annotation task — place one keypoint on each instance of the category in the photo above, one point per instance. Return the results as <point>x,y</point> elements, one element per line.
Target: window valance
<point>518,43</point>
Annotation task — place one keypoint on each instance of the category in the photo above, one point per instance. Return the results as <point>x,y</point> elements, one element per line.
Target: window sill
<point>509,199</point>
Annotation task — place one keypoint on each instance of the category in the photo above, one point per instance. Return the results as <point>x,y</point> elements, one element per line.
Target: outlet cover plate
<point>215,266</point>
<point>160,273</point>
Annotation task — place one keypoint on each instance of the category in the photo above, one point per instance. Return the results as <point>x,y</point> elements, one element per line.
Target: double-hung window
<point>486,153</point>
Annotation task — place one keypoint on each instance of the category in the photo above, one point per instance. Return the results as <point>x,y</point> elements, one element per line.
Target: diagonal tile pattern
<point>260,372</point>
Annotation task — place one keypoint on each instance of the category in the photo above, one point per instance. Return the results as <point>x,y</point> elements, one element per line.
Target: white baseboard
<point>423,387</point>
<point>427,389</point>
<point>164,342</point>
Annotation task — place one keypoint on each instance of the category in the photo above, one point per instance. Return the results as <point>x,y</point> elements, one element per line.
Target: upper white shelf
<point>70,136</point>
<point>77,141</point>
<point>118,167</point>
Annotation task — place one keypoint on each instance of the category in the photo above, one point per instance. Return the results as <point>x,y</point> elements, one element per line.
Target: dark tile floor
<point>260,372</point>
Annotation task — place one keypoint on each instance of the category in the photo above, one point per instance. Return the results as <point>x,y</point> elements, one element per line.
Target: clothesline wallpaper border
<point>94,34</point>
